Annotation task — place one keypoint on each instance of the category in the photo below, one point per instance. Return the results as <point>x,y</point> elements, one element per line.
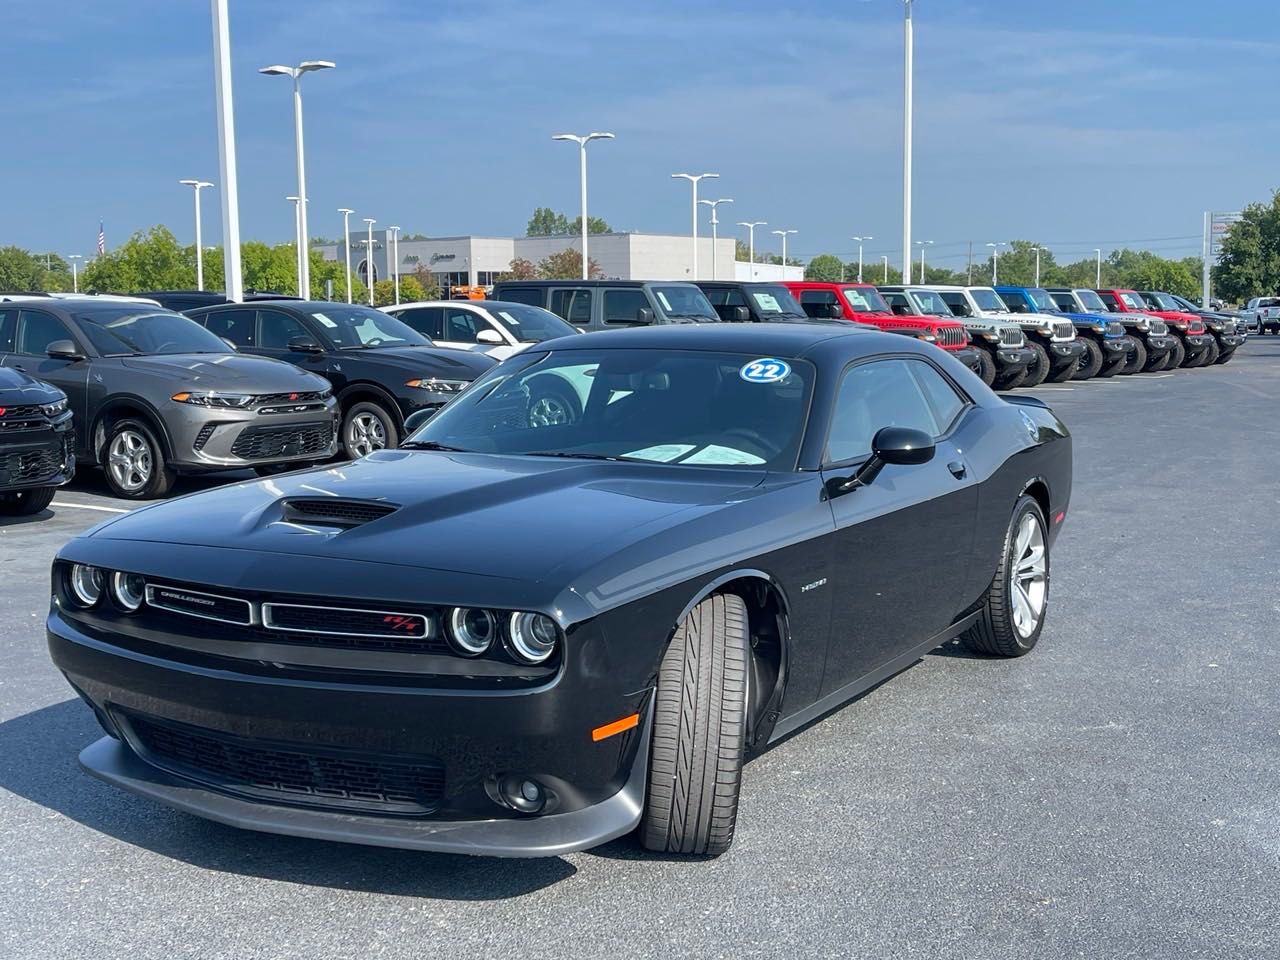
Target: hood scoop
<point>335,511</point>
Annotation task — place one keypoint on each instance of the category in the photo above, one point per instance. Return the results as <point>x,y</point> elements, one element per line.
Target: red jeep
<point>1192,343</point>
<point>862,303</point>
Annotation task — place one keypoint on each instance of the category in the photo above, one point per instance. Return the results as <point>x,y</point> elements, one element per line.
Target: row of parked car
<point>170,382</point>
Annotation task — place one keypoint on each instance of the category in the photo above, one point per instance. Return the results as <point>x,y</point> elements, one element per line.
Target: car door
<point>573,304</point>
<point>34,330</point>
<point>234,326</point>
<point>902,542</point>
<point>428,321</point>
<point>818,303</point>
<point>276,330</point>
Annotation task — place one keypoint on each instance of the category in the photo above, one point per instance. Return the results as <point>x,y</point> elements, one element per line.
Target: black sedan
<point>37,444</point>
<point>518,638</point>
<point>382,370</point>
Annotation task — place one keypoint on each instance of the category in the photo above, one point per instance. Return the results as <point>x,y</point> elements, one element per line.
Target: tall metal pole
<point>909,38</point>
<point>751,241</point>
<point>921,244</point>
<point>715,235</point>
<point>1098,278</point>
<point>369,271</point>
<point>1205,252</point>
<point>860,241</point>
<point>346,242</point>
<point>227,152</point>
<point>197,186</point>
<point>693,179</point>
<point>886,269</point>
<point>582,142</point>
<point>1037,250</point>
<point>297,247</point>
<point>783,234</point>
<point>75,278</point>
<point>995,262</point>
<point>394,233</point>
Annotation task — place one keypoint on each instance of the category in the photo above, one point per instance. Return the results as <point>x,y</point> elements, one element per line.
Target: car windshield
<point>363,328</point>
<point>988,300</point>
<point>1134,302</point>
<point>1042,300</point>
<point>929,302</point>
<point>690,408</point>
<point>529,324</point>
<point>1164,302</point>
<point>1091,301</point>
<point>126,332</point>
<point>687,302</point>
<point>776,301</point>
<point>865,300</point>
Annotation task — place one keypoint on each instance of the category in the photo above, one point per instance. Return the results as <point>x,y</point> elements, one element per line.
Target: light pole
<point>197,186</point>
<point>909,43</point>
<point>886,269</point>
<point>860,241</point>
<point>715,222</point>
<point>1097,282</point>
<point>783,235</point>
<point>304,242</point>
<point>395,260</point>
<point>751,240</point>
<point>297,246</point>
<point>75,277</point>
<point>227,152</point>
<point>346,242</point>
<point>693,179</point>
<point>368,258</point>
<point>995,262</point>
<point>582,142</point>
<point>920,243</point>
<point>1037,253</point>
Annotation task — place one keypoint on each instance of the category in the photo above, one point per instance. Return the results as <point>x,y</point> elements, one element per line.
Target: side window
<point>461,326</point>
<point>572,304</point>
<point>8,327</point>
<point>1015,302</point>
<point>621,306</point>
<point>898,303</point>
<point>817,302</point>
<point>530,295</point>
<point>276,329</point>
<point>428,321</point>
<point>944,402</point>
<point>37,330</point>
<point>233,325</point>
<point>1110,301</point>
<point>872,396</point>
<point>956,304</point>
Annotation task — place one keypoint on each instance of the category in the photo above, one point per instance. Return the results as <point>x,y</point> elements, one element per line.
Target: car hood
<point>439,362</point>
<point>16,388</point>
<point>496,516</point>
<point>231,372</point>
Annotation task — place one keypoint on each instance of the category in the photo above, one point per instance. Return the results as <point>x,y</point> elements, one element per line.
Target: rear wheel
<point>1090,363</point>
<point>1210,357</point>
<point>552,402</point>
<point>699,732</point>
<point>23,503</point>
<point>1013,611</point>
<point>1176,356</point>
<point>1011,380</point>
<point>1226,356</point>
<point>1136,362</point>
<point>1038,368</point>
<point>986,368</point>
<point>135,467</point>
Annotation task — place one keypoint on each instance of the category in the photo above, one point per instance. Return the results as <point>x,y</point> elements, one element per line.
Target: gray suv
<point>155,394</point>
<point>610,304</point>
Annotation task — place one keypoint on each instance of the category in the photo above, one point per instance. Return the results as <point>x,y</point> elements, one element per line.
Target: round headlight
<point>533,636</point>
<point>86,584</point>
<point>128,589</point>
<point>471,631</point>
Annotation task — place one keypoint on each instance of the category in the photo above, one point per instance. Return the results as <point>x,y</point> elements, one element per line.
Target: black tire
<point>1090,363</point>
<point>366,427</point>
<point>148,475</point>
<point>986,367</point>
<point>1177,356</point>
<point>1038,368</point>
<point>1064,373</point>
<point>1225,356</point>
<point>1012,380</point>
<point>1111,367</point>
<point>1210,357</point>
<point>552,402</point>
<point>1136,361</point>
<point>699,732</point>
<point>23,503</point>
<point>997,633</point>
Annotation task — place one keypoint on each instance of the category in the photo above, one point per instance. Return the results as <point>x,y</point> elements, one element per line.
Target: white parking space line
<point>88,506</point>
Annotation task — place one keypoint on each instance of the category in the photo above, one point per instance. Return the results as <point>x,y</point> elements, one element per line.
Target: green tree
<point>522,269</point>
<point>546,222</point>
<point>148,260</point>
<point>741,251</point>
<point>825,267</point>
<point>19,270</point>
<point>567,265</point>
<point>411,291</point>
<point>594,225</point>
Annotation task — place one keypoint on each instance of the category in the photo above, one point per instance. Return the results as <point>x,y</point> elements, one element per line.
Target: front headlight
<point>54,409</point>
<point>533,637</point>
<point>212,398</point>
<point>928,338</point>
<point>991,335</point>
<point>471,630</point>
<point>86,584</point>
<point>128,590</point>
<point>438,386</point>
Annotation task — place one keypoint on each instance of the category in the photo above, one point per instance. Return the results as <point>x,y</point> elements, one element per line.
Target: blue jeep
<point>1106,346</point>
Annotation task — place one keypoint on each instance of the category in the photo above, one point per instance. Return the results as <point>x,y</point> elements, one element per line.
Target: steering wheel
<point>374,341</point>
<point>167,343</point>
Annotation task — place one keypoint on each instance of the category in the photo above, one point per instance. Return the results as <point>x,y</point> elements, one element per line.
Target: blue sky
<point>1078,124</point>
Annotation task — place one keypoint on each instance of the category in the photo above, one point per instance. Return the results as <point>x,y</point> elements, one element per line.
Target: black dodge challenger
<point>535,628</point>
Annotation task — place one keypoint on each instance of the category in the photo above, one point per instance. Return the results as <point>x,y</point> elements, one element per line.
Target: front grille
<point>285,440</point>
<point>1011,337</point>
<point>196,603</point>
<point>1195,327</point>
<point>24,412</point>
<point>346,622</point>
<point>1115,328</point>
<point>952,337</point>
<point>1157,328</point>
<point>336,512</point>
<point>25,417</point>
<point>1064,330</point>
<point>31,466</point>
<point>1228,327</point>
<point>266,399</point>
<point>286,774</point>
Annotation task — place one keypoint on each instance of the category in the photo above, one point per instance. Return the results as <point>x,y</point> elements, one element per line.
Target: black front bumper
<point>1158,344</point>
<point>1197,343</point>
<point>1014,359</point>
<point>969,356</point>
<point>1115,349</point>
<point>1063,353</point>
<point>1229,341</point>
<point>37,458</point>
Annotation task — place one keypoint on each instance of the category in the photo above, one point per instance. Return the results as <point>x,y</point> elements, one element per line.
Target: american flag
<point>102,240</point>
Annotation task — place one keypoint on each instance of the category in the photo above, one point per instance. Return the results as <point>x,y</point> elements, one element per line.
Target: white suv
<point>495,327</point>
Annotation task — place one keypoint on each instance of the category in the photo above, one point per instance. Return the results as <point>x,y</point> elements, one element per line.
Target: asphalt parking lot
<point>1112,795</point>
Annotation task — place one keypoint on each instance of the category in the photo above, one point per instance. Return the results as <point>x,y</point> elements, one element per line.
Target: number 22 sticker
<point>765,370</point>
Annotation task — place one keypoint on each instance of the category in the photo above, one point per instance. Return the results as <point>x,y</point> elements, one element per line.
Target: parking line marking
<point>88,506</point>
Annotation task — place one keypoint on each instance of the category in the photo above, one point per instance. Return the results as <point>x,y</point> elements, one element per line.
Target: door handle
<point>958,469</point>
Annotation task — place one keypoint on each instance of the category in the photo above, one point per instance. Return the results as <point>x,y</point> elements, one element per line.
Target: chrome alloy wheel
<point>1029,576</point>
<point>549,411</point>
<point>129,460</point>
<point>365,434</point>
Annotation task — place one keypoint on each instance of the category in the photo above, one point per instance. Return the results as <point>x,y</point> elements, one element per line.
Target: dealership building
<point>457,261</point>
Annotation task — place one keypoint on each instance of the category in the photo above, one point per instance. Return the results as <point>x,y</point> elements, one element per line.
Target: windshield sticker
<point>325,320</point>
<point>715,454</point>
<point>663,452</point>
<point>855,297</point>
<point>509,318</point>
<point>662,298</point>
<point>767,302</point>
<point>765,370</point>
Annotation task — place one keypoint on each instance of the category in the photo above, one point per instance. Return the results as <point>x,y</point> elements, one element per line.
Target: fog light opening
<point>522,794</point>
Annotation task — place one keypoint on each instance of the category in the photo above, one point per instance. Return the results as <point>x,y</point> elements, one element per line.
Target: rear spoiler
<point>1026,400</point>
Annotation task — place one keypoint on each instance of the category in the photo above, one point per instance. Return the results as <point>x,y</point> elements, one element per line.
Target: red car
<point>862,303</point>
<point>1192,343</point>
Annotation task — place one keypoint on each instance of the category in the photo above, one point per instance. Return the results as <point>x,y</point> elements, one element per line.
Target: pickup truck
<point>1191,341</point>
<point>1224,330</point>
<point>1262,314</point>
<point>1150,335</point>
<point>1001,346</point>
<point>1051,335</point>
<point>862,303</point>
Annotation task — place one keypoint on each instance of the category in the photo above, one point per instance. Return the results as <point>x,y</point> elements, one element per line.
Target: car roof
<point>765,339</point>
<point>486,303</point>
<point>89,305</point>
<point>593,283</point>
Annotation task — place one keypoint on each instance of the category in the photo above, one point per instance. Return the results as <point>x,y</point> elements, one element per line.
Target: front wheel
<point>1038,368</point>
<point>1176,356</point>
<point>24,503</point>
<point>1090,363</point>
<point>1209,358</point>
<point>135,465</point>
<point>699,732</point>
<point>986,368</point>
<point>1225,356</point>
<point>1136,361</point>
<point>1013,611</point>
<point>367,427</point>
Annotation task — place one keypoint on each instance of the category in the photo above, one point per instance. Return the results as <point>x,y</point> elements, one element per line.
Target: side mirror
<point>901,309</point>
<point>304,345</point>
<point>491,337</point>
<point>738,315</point>
<point>835,311</point>
<point>898,445</point>
<point>644,315</point>
<point>64,350</point>
<point>416,419</point>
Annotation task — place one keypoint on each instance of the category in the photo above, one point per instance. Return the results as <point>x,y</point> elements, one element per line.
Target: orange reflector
<point>618,726</point>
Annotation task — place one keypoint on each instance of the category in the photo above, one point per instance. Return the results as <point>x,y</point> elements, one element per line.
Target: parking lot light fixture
<point>368,258</point>
<point>225,107</point>
<point>582,142</point>
<point>295,73</point>
<point>715,235</point>
<point>921,244</point>
<point>394,233</point>
<point>908,68</point>
<point>197,186</point>
<point>693,178</point>
<point>783,234</point>
<point>886,268</point>
<point>297,243</point>
<point>1097,282</point>
<point>860,241</point>
<point>751,240</point>
<point>995,261</point>
<point>75,278</point>
<point>1037,253</point>
<point>346,242</point>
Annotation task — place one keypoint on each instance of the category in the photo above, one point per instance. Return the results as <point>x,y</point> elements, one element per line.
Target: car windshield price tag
<point>765,370</point>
